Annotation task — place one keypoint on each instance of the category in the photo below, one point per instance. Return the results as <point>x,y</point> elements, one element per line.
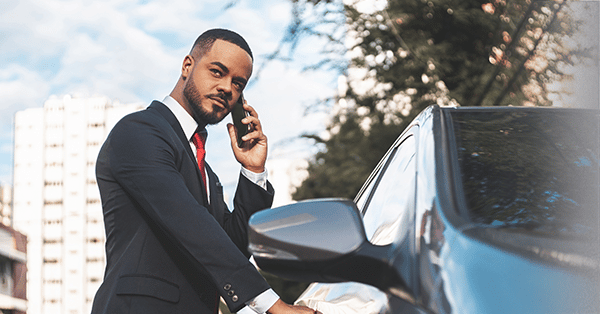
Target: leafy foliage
<point>407,54</point>
<point>399,56</point>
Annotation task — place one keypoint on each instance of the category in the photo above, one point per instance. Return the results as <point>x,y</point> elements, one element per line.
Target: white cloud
<point>168,14</point>
<point>27,27</point>
<point>19,88</point>
<point>124,49</point>
<point>280,12</point>
<point>130,51</point>
<point>284,93</point>
<point>90,46</point>
<point>123,60</point>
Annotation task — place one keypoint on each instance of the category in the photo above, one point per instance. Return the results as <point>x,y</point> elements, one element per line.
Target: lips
<point>221,101</point>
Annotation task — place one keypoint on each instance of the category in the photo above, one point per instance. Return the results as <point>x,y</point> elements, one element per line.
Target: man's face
<point>216,81</point>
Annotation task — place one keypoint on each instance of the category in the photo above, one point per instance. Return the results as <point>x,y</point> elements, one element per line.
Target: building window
<point>59,202</point>
<point>53,241</point>
<point>53,222</point>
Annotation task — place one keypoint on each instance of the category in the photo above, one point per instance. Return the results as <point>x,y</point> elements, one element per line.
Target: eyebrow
<point>226,70</point>
<point>221,65</point>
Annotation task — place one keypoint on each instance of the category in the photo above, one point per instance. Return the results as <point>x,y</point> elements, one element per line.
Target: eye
<point>216,72</point>
<point>238,85</point>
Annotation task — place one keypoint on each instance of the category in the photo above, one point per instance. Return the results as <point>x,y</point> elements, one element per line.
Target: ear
<point>187,66</point>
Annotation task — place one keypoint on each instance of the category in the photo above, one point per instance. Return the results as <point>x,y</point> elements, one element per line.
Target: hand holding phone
<point>237,114</point>
<point>252,153</point>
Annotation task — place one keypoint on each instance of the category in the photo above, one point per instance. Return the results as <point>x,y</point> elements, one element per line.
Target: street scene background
<point>334,82</point>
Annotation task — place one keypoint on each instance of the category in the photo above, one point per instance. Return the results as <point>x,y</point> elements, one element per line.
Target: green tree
<point>407,54</point>
<point>402,56</point>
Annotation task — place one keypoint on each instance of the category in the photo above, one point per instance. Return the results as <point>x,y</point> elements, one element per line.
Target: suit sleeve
<point>143,160</point>
<point>249,198</point>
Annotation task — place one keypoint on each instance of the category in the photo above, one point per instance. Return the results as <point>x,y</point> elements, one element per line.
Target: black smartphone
<point>237,114</point>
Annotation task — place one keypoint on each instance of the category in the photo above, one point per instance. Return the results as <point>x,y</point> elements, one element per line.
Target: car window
<point>535,171</point>
<point>364,195</point>
<point>392,196</point>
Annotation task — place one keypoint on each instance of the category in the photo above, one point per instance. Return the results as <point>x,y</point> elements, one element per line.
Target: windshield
<point>535,170</point>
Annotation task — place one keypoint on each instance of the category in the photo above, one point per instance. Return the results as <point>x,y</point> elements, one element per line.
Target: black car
<point>472,210</point>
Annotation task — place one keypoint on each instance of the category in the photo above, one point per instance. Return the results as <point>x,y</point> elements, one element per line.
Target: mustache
<point>222,96</point>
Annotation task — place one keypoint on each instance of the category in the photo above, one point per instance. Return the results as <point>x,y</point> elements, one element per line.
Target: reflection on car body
<point>343,298</point>
<point>472,210</point>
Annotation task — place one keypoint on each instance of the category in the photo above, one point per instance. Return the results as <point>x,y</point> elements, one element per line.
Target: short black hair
<point>205,41</point>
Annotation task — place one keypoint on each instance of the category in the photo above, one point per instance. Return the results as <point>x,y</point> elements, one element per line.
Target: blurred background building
<point>56,199</point>
<point>5,205</point>
<point>12,261</point>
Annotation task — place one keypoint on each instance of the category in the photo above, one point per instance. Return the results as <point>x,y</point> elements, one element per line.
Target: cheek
<point>203,81</point>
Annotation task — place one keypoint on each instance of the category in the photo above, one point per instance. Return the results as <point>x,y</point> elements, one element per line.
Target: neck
<point>177,94</point>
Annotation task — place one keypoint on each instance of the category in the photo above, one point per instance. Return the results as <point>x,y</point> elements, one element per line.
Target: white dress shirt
<point>265,300</point>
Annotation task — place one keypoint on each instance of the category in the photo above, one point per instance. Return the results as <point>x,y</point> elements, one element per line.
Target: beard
<point>201,115</point>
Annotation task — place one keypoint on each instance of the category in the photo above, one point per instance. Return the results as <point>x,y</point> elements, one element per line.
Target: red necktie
<point>199,141</point>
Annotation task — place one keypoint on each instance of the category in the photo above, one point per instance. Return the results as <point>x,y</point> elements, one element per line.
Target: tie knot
<point>198,140</point>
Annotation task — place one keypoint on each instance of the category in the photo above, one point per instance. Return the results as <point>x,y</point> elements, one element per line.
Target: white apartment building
<point>56,202</point>
<point>6,205</point>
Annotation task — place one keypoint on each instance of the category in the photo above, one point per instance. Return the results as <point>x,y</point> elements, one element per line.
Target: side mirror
<point>320,240</point>
<point>306,231</point>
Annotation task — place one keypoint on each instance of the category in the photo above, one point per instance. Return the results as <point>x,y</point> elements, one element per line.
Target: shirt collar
<point>188,124</point>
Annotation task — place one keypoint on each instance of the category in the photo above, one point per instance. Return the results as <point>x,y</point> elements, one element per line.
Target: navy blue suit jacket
<point>168,250</point>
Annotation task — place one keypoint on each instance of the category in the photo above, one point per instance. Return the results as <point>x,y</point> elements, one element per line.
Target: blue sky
<point>131,51</point>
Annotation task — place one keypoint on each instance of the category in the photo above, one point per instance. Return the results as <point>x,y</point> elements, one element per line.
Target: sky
<point>131,51</point>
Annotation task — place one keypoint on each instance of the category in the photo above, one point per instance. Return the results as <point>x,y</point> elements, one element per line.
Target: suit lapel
<point>168,115</point>
<point>170,118</point>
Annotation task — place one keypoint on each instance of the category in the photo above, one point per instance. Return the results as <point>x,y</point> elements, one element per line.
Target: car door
<point>387,203</point>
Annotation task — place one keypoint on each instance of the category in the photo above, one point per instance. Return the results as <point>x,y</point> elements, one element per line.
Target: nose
<point>225,87</point>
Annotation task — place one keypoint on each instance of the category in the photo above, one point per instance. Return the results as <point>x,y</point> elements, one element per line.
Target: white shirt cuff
<point>246,310</point>
<point>259,179</point>
<point>261,303</point>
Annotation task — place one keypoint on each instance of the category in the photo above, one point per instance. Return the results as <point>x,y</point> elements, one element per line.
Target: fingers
<point>256,131</point>
<point>252,119</point>
<point>281,307</point>
<point>250,109</point>
<point>304,309</point>
<point>254,135</point>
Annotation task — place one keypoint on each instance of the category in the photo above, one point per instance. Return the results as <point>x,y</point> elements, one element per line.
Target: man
<point>172,245</point>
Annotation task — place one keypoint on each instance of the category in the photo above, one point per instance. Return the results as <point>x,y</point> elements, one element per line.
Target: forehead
<point>236,59</point>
